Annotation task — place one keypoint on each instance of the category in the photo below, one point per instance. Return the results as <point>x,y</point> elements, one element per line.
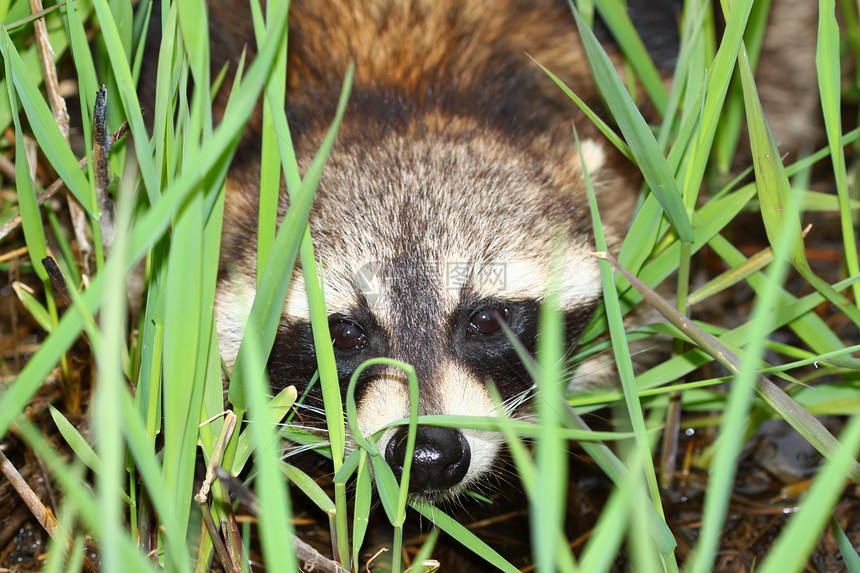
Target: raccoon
<point>453,181</point>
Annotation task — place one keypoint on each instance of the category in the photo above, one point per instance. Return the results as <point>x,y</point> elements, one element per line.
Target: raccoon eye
<point>487,321</point>
<point>346,335</point>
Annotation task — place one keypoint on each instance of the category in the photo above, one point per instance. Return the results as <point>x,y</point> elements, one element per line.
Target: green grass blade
<point>271,489</point>
<point>718,79</point>
<point>309,487</point>
<point>76,441</point>
<point>547,509</point>
<point>272,290</point>
<point>639,136</point>
<point>44,126</point>
<point>624,364</point>
<point>183,381</point>
<point>590,114</point>
<point>829,83</point>
<point>846,548</point>
<point>117,52</point>
<point>615,16</point>
<point>453,528</point>
<point>361,511</point>
<point>778,208</point>
<point>279,407</point>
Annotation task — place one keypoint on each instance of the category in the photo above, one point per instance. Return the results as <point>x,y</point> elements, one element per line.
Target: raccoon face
<point>428,245</point>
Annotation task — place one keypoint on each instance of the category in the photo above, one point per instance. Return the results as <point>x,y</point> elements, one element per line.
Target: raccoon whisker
<point>514,402</point>
<point>304,406</point>
<point>288,427</point>
<point>295,450</point>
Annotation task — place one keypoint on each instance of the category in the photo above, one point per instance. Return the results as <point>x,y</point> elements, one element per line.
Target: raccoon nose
<point>440,459</point>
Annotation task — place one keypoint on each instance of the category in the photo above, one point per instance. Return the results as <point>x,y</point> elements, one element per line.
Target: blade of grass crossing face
<point>329,383</point>
<point>392,495</point>
<point>829,84</point>
<point>547,507</point>
<point>271,490</point>
<point>272,290</point>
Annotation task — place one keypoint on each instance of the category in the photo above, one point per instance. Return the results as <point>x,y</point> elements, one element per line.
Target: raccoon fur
<point>453,178</point>
<point>453,181</point>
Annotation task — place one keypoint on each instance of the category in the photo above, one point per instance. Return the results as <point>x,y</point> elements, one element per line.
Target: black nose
<point>440,459</point>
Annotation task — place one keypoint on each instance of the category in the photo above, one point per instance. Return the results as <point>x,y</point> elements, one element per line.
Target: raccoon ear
<point>593,154</point>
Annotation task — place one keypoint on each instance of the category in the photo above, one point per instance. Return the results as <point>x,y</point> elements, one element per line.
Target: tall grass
<point>158,403</point>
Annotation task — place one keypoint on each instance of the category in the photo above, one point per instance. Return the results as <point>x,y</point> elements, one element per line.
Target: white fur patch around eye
<point>528,279</point>
<point>580,280</point>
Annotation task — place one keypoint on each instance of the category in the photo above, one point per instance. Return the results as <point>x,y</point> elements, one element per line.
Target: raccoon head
<point>428,243</point>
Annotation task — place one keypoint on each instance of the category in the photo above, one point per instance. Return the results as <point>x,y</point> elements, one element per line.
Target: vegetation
<point>152,391</point>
